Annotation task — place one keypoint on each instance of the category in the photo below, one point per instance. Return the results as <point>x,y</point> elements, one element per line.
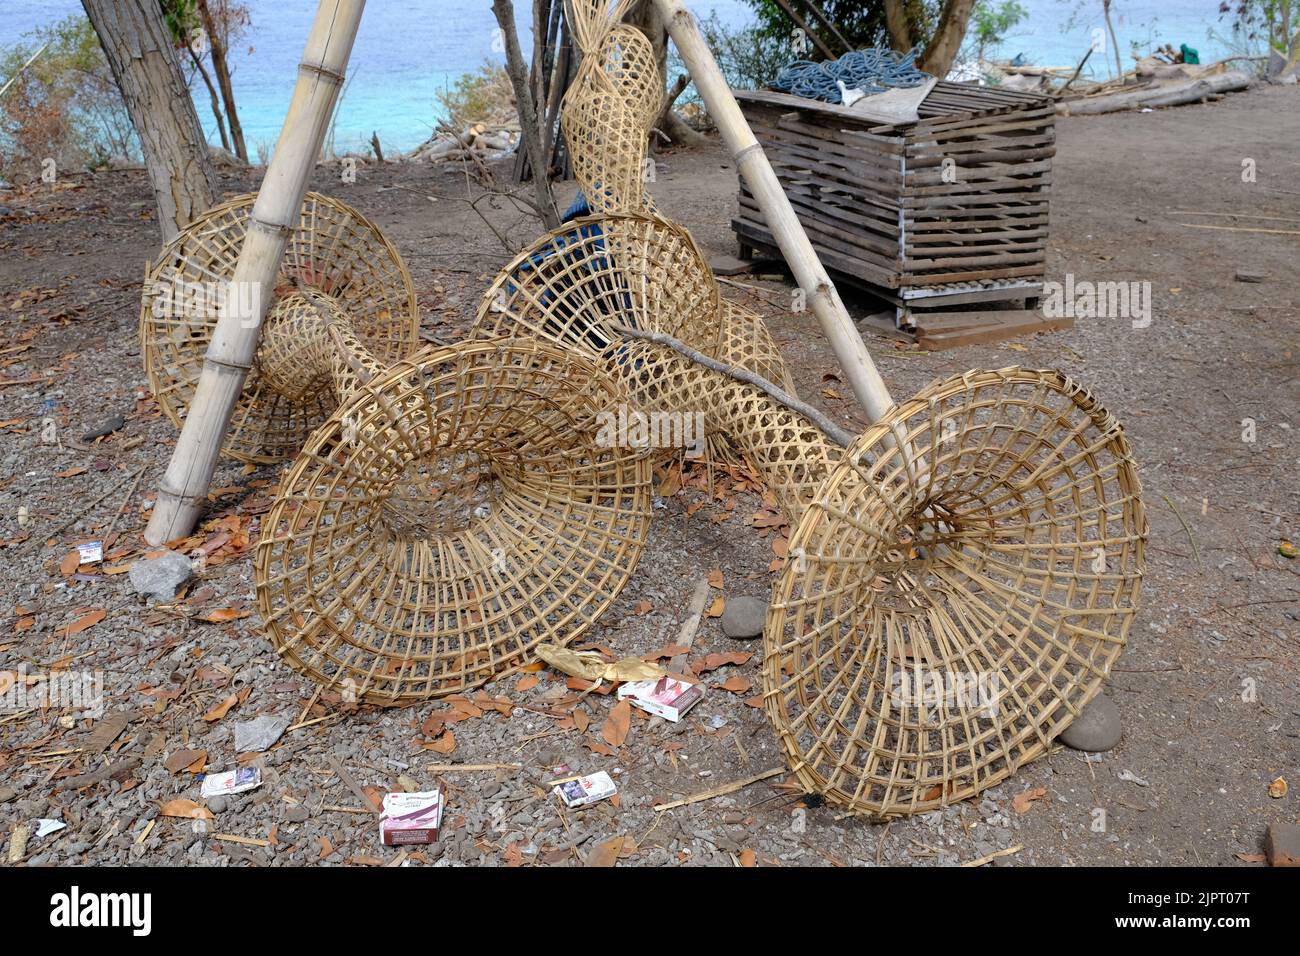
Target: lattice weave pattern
<point>334,251</point>
<point>455,512</point>
<point>938,625</point>
<point>609,108</point>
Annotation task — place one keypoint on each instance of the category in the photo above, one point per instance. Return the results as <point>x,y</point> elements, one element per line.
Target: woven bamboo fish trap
<point>334,250</point>
<point>939,623</point>
<point>944,615</point>
<point>445,513</point>
<point>453,508</point>
<point>455,512</point>
<point>962,578</point>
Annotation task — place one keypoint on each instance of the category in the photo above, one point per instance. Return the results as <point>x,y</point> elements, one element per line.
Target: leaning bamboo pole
<point>859,369</point>
<point>274,216</point>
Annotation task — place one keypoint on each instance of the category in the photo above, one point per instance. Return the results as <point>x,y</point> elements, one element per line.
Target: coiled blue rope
<point>873,70</point>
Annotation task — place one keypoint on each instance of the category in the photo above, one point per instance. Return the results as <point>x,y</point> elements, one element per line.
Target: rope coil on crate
<point>873,70</point>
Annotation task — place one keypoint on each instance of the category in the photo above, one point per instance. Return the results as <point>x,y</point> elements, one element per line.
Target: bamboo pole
<point>275,214</point>
<point>859,370</point>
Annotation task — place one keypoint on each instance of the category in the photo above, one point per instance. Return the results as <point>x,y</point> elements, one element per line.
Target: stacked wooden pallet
<point>957,200</point>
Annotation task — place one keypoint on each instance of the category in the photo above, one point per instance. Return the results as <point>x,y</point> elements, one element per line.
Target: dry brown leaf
<point>185,810</point>
<point>1277,789</point>
<point>89,619</point>
<point>748,858</point>
<point>643,608</point>
<point>223,708</point>
<point>606,853</point>
<point>737,685</point>
<point>1022,802</point>
<point>617,724</point>
<point>443,745</point>
<point>191,760</point>
<point>715,578</point>
<point>713,661</point>
<point>717,607</point>
<point>527,682</point>
<point>223,614</point>
<point>581,720</point>
<point>71,561</point>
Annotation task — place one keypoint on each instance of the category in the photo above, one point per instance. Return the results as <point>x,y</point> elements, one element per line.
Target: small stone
<point>1096,729</point>
<point>297,815</point>
<point>105,428</point>
<point>260,733</point>
<point>218,804</point>
<point>159,578</point>
<point>1246,275</point>
<point>1282,844</point>
<point>743,617</point>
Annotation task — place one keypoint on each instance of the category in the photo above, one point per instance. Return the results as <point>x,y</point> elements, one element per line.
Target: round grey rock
<point>1096,729</point>
<point>159,578</point>
<point>743,617</point>
<point>218,804</point>
<point>297,815</point>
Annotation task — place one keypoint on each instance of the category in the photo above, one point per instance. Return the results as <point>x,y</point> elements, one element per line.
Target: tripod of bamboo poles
<point>233,345</point>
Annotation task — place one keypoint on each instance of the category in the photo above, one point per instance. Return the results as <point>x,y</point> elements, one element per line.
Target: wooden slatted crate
<point>944,217</point>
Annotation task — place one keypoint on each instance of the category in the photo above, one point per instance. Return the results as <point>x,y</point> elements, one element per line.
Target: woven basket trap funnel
<point>943,614</point>
<point>444,513</point>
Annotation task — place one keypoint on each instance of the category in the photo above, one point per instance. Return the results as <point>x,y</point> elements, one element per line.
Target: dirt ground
<point>1207,687</point>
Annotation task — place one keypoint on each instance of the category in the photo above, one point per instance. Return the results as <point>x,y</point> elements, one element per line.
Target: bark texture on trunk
<point>946,42</point>
<point>900,34</point>
<point>530,128</point>
<point>139,49</point>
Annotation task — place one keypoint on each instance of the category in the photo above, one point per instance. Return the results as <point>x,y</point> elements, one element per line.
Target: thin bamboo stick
<point>275,214</point>
<point>859,370</point>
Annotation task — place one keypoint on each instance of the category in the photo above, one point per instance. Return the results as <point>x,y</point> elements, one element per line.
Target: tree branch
<point>833,431</point>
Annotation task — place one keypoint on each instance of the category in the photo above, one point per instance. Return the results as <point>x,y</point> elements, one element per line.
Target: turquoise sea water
<point>407,51</point>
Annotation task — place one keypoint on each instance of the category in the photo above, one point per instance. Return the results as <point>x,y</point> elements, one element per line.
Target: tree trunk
<point>139,50</point>
<point>212,95</point>
<point>946,42</point>
<point>896,21</point>
<point>530,129</point>
<point>222,69</point>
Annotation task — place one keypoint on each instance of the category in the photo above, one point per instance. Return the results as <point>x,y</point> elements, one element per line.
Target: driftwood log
<point>1153,97</point>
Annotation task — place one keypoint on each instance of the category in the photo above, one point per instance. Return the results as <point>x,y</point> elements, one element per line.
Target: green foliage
<point>860,22</point>
<point>485,95</point>
<point>1275,23</point>
<point>65,106</point>
<point>749,57</point>
<point>990,22</point>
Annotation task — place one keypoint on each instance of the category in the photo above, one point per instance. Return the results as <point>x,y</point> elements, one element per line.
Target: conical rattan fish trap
<point>447,513</point>
<point>334,251</point>
<point>631,269</point>
<point>456,511</point>
<point>940,622</point>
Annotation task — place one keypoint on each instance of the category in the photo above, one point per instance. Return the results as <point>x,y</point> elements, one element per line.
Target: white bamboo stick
<point>859,369</point>
<point>275,214</point>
